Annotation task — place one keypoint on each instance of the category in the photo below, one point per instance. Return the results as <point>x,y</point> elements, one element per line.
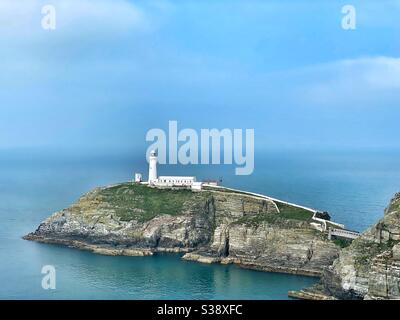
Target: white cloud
<point>357,82</point>
<point>23,17</point>
<point>84,29</point>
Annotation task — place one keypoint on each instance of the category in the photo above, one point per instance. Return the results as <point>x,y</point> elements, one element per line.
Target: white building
<point>168,181</point>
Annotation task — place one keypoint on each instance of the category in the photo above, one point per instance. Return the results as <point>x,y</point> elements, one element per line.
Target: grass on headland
<point>287,214</point>
<point>290,212</point>
<point>142,203</point>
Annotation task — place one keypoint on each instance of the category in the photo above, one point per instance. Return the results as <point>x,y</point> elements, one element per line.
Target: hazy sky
<point>113,69</point>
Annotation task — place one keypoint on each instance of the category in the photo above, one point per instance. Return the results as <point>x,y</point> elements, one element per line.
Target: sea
<point>354,186</point>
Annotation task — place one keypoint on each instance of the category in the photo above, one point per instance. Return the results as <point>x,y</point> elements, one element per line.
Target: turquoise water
<point>353,187</point>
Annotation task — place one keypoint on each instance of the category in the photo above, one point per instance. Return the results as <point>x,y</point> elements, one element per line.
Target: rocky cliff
<point>370,267</point>
<point>209,226</point>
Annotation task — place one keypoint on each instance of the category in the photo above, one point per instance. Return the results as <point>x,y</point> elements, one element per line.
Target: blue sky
<point>113,69</point>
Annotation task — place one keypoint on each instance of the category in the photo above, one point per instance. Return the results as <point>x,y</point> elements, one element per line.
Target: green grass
<point>269,218</point>
<point>139,202</point>
<point>142,203</point>
<point>290,212</point>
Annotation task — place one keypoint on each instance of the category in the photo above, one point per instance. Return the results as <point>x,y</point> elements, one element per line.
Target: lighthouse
<point>188,182</point>
<point>152,167</point>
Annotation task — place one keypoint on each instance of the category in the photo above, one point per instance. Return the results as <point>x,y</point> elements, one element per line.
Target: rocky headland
<point>213,225</point>
<point>224,226</point>
<point>369,268</point>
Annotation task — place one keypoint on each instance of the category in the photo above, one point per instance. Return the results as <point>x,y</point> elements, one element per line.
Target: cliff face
<point>210,226</point>
<point>370,267</point>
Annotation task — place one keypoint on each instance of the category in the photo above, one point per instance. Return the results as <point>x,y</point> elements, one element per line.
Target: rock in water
<point>370,267</point>
<point>210,226</point>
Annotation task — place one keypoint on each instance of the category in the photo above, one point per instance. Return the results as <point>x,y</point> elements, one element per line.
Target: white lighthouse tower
<point>152,167</point>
